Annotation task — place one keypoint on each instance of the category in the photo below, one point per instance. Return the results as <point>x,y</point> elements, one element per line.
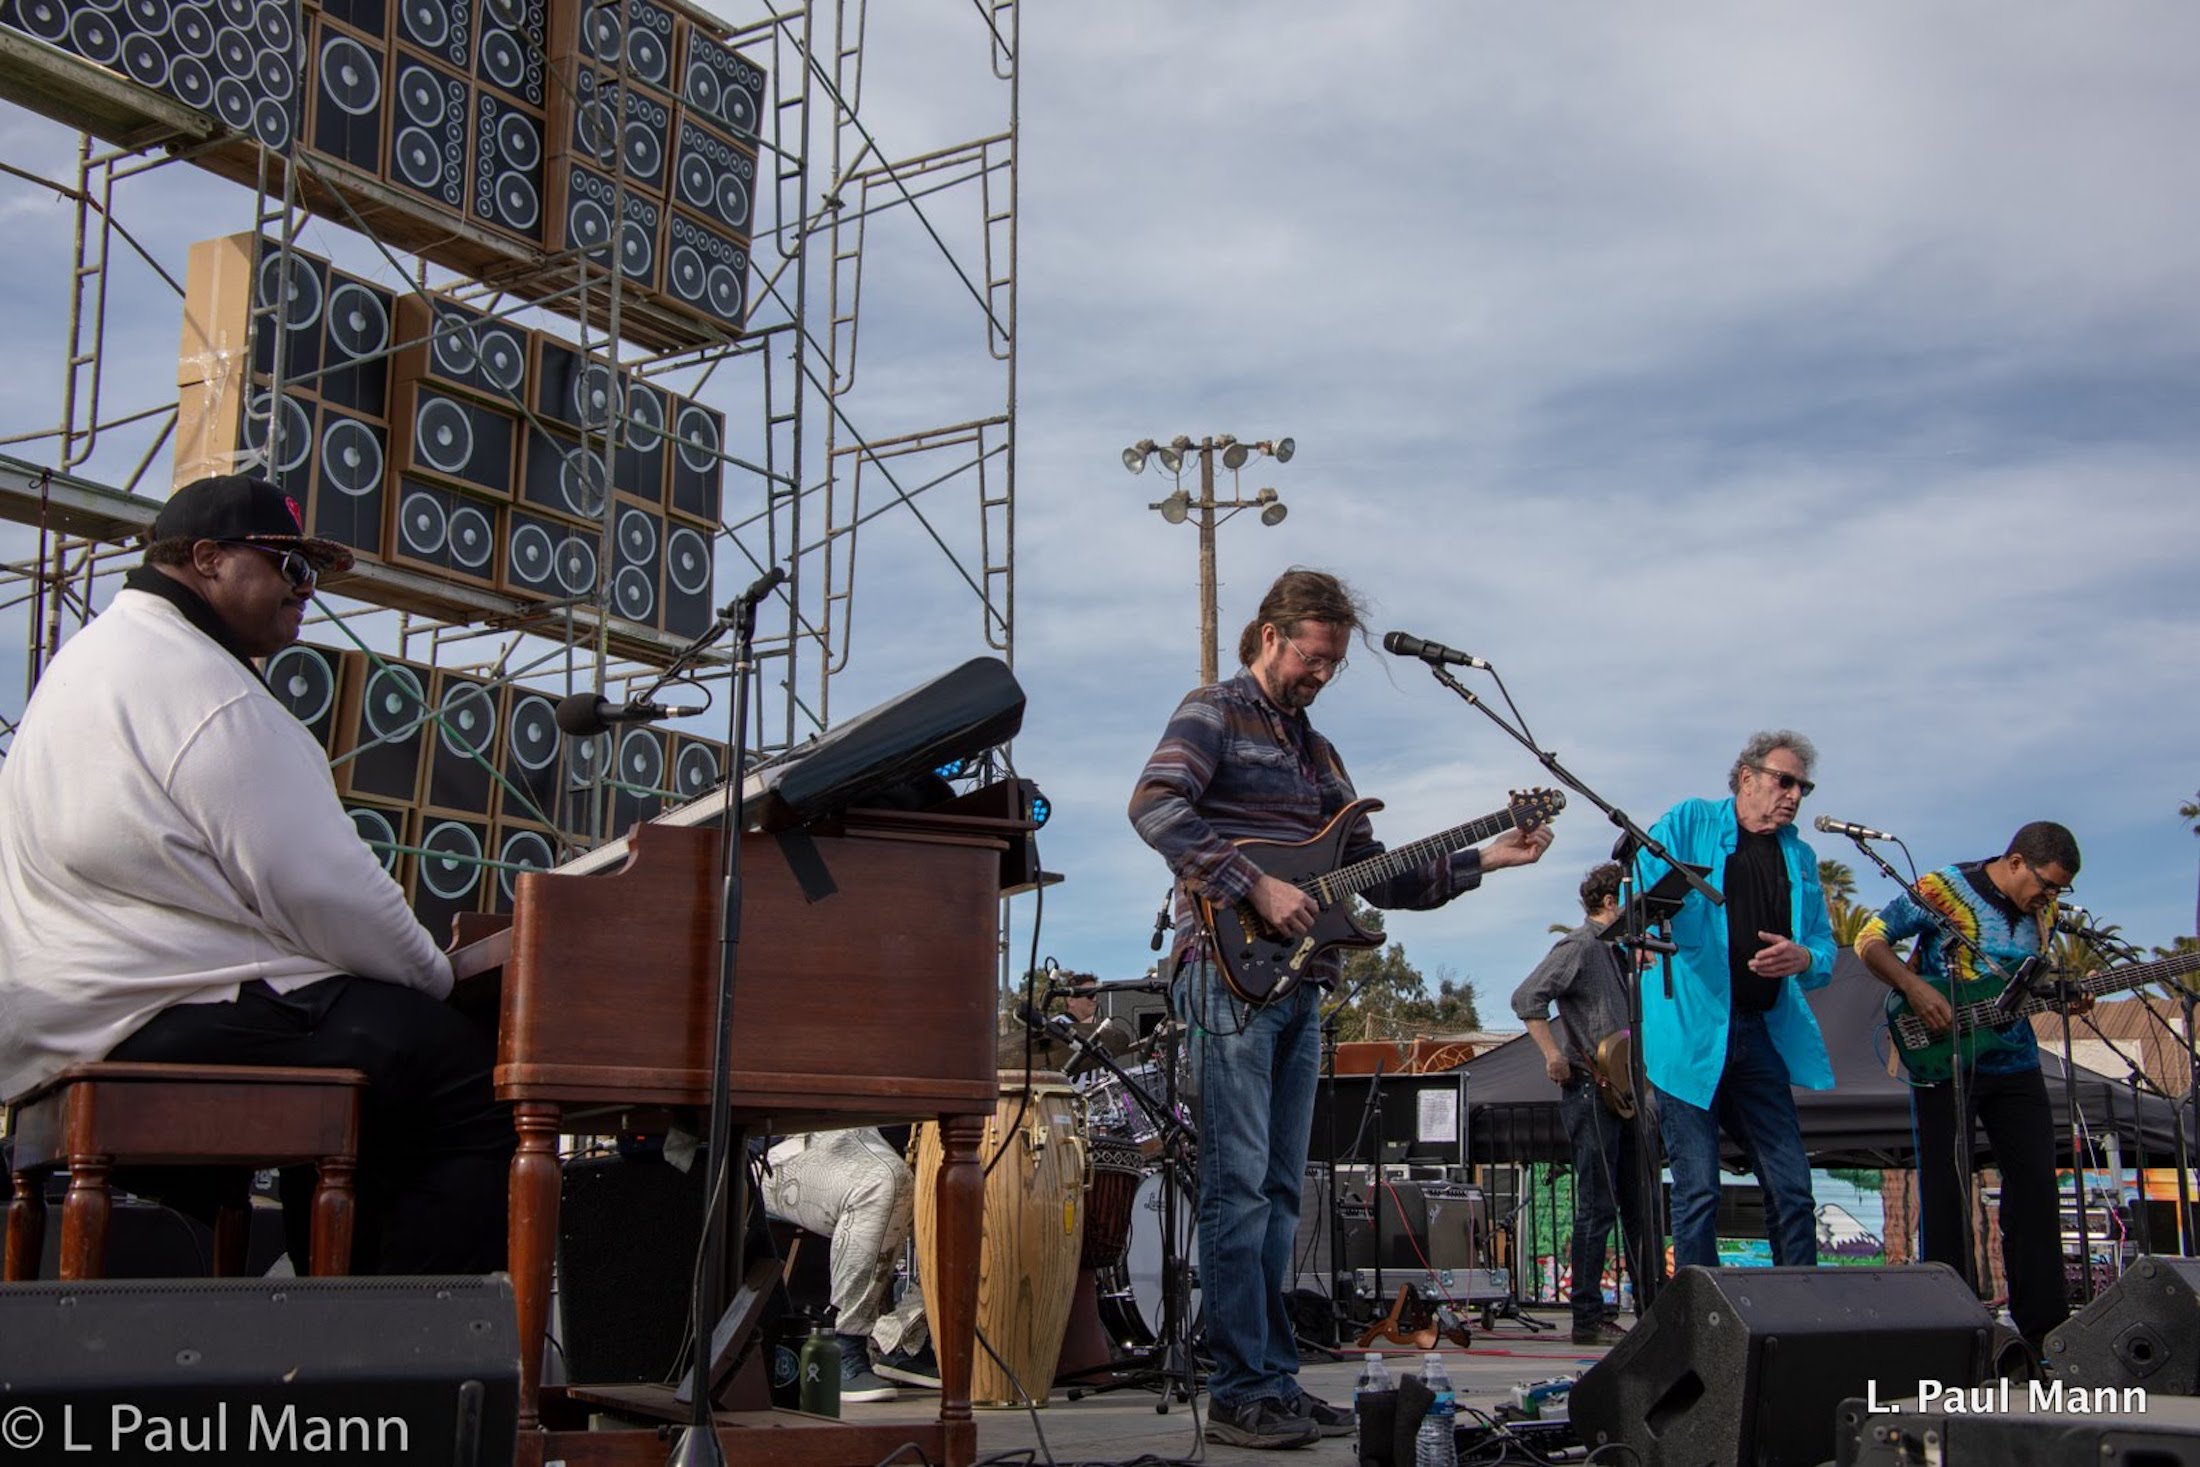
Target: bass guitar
<point>1261,964</point>
<point>1930,1057</point>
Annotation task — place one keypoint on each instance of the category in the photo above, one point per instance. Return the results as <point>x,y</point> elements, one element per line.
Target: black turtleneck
<point>194,607</point>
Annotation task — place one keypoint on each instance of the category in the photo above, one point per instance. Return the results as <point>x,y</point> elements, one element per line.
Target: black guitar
<point>1261,964</point>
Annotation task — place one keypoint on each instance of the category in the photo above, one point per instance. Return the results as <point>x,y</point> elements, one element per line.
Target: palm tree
<point>1839,884</point>
<point>1838,881</point>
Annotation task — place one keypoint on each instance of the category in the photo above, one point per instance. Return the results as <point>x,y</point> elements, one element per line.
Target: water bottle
<point>821,1371</point>
<point>1433,1376</point>
<point>1436,1444</point>
<point>1374,1377</point>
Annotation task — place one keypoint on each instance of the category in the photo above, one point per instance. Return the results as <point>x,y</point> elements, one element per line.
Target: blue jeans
<point>1253,1074</point>
<point>1607,1183</point>
<point>1757,1108</point>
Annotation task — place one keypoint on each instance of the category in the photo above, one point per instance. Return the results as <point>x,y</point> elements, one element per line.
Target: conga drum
<point>1035,1161</point>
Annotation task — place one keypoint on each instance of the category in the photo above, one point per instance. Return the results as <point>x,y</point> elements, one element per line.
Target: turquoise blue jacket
<point>1684,1037</point>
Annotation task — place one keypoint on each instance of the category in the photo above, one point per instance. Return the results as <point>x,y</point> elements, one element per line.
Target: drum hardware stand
<point>1167,1365</point>
<point>1633,838</point>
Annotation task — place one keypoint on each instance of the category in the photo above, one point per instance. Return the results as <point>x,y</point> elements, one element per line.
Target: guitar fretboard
<point>1987,1011</point>
<point>1360,875</point>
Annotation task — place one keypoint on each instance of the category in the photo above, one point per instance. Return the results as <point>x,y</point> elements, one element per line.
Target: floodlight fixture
<point>1176,508</point>
<point>1282,448</point>
<point>1134,457</point>
<point>1172,457</point>
<point>1272,508</point>
<point>1235,455</point>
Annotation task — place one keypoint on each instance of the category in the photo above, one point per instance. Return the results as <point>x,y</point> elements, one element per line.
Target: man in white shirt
<point>179,883</point>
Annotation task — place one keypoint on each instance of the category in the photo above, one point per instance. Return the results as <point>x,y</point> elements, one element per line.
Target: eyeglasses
<point>1786,780</point>
<point>296,569</point>
<point>2055,889</point>
<point>1317,665</point>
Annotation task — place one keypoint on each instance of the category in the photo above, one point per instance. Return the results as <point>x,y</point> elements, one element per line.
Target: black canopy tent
<point>1864,1121</point>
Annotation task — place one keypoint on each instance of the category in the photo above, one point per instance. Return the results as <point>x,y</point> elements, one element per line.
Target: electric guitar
<point>1930,1057</point>
<point>1261,964</point>
<point>1615,1073</point>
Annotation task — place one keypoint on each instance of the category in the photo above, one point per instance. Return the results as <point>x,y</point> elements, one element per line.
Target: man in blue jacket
<point>1735,1034</point>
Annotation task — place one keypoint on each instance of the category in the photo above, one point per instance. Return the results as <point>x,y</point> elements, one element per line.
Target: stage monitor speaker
<point>722,85</point>
<point>429,124</point>
<point>1751,1365</point>
<point>508,166</point>
<point>451,874</point>
<point>715,176</point>
<point>514,35</point>
<point>2129,1433</point>
<point>2144,1331</point>
<point>706,270</point>
<point>320,1369</point>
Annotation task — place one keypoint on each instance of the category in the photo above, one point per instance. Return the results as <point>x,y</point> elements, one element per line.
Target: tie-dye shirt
<point>1967,896</point>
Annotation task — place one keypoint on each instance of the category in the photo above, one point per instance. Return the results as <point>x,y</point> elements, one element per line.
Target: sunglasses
<point>295,568</point>
<point>1786,781</point>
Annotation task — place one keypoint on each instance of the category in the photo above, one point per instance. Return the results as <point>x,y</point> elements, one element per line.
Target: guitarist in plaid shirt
<point>1239,759</point>
<point>2006,906</point>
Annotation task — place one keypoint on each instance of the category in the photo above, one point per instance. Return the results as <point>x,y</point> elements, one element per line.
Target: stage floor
<point>1124,1424</point>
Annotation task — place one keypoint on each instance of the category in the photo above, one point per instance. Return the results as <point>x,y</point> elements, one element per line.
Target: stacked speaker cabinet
<point>330,447</point>
<point>309,680</point>
<point>384,725</point>
<point>462,755</point>
<point>238,60</point>
<point>450,869</point>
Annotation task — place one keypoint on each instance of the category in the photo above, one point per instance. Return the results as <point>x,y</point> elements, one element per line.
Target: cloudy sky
<point>1734,366</point>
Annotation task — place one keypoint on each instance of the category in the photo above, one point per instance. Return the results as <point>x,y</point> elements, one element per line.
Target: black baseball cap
<point>241,507</point>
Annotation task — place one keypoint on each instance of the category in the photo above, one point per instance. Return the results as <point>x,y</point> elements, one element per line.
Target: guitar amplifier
<point>1439,1286</point>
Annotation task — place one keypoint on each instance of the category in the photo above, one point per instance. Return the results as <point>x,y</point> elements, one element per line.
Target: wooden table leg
<point>84,1218</point>
<point>26,1228</point>
<point>959,1204</point>
<point>534,1231</point>
<point>233,1225</point>
<point>334,1211</point>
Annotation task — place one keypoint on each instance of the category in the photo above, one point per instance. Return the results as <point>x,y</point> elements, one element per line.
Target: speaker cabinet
<point>450,873</point>
<point>1458,1228</point>
<point>576,391</point>
<point>462,756</point>
<point>439,28</point>
<point>706,270</point>
<point>530,751</point>
<point>548,559</point>
<point>429,128</point>
<point>382,827</point>
<point>1752,1364</point>
<point>514,35</point>
<point>382,730</point>
<point>564,476</point>
<point>434,527</point>
<point>698,463</point>
<point>688,582</point>
<point>1351,1219</point>
<point>643,452</point>
<point>721,84</point>
<point>307,680</point>
<point>355,344</point>
<point>2143,1331</point>
<point>239,60</point>
<point>341,1369</point>
<point>344,107</point>
<point>367,17</point>
<point>637,561</point>
<point>581,786</point>
<point>349,498</point>
<point>455,440</point>
<point>714,177</point>
<point>526,847</point>
<point>508,166</point>
<point>456,347</point>
<point>584,204</point>
<point>627,1234</point>
<point>290,300</point>
<point>2125,1433</point>
<point>607,31</point>
<point>642,775</point>
<point>614,130</point>
<point>698,766</point>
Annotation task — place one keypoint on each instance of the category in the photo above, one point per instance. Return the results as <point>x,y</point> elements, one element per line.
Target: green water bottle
<point>821,1371</point>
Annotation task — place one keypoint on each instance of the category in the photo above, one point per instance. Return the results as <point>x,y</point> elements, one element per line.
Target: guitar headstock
<point>1531,808</point>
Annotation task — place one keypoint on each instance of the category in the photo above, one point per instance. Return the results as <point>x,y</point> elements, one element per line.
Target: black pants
<point>2020,1126</point>
<point>1607,1190</point>
<point>434,1144</point>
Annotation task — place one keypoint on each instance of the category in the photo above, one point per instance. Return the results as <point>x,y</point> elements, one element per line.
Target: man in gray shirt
<point>1583,977</point>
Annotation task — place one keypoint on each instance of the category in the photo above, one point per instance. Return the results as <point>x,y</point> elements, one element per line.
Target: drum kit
<point>1088,1278</point>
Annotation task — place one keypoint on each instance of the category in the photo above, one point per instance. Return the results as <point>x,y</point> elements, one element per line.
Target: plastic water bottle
<point>1436,1444</point>
<point>1374,1380</point>
<point>1375,1405</point>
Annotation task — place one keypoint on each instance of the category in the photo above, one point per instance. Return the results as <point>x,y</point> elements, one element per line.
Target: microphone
<point>1827,825</point>
<point>764,585</point>
<point>583,715</point>
<point>1403,644</point>
<point>1073,990</point>
<point>2077,922</point>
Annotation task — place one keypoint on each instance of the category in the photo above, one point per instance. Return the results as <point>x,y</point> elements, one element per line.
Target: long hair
<point>1300,594</point>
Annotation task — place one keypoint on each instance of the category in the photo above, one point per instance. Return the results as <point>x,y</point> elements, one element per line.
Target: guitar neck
<point>1360,875</point>
<point>2096,985</point>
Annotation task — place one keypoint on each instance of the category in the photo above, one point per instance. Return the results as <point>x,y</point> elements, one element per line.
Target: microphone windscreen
<point>580,714</point>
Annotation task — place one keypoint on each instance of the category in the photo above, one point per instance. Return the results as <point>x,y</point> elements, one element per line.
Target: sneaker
<point>917,1368</point>
<point>857,1382</point>
<point>1262,1422</point>
<point>1603,1332</point>
<point>1328,1420</point>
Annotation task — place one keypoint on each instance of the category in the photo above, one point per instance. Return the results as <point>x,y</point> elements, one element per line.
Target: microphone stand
<point>726,1195</point>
